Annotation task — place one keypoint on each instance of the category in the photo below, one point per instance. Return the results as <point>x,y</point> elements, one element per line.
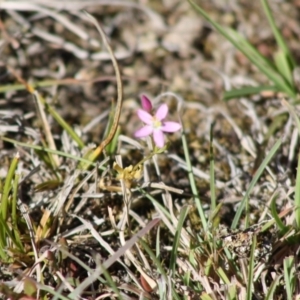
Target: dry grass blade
<point>76,293</point>
<point>27,6</point>
<point>118,108</point>
<point>46,128</point>
<point>25,214</point>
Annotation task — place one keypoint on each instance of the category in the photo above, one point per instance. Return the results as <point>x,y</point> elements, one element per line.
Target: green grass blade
<point>231,294</point>
<point>112,146</point>
<point>17,238</point>
<point>156,203</point>
<point>64,125</point>
<point>206,297</point>
<point>6,230</point>
<point>59,120</point>
<point>287,266</point>
<point>277,34</point>
<point>251,270</point>
<point>153,257</point>
<point>250,52</point>
<point>292,112</point>
<point>110,282</point>
<point>273,287</point>
<point>3,254</point>
<point>14,201</point>
<point>253,182</point>
<point>7,187</point>
<point>214,216</point>
<point>223,276</point>
<point>182,217</point>
<point>284,68</point>
<point>297,189</point>
<point>193,181</point>
<point>158,265</point>
<point>40,148</point>
<point>235,38</point>
<point>276,217</point>
<point>212,172</point>
<point>247,91</point>
<point>297,194</point>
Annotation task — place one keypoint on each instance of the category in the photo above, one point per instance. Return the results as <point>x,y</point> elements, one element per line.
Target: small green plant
<point>10,237</point>
<point>279,71</point>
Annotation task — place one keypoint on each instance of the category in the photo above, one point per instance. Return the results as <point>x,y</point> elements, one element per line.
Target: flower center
<point>156,123</point>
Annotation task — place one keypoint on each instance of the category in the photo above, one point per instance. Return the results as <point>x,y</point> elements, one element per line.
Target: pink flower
<point>155,125</point>
<point>146,103</point>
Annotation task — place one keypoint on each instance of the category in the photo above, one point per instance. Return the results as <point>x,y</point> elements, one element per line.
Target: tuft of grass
<point>10,233</point>
<point>258,173</point>
<point>279,71</point>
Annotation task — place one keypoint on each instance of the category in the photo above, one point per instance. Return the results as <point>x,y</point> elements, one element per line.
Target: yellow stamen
<point>156,123</point>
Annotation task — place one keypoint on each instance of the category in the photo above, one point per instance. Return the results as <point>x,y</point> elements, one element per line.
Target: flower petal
<point>162,112</point>
<point>158,137</point>
<point>144,131</point>
<point>146,103</point>
<point>170,126</point>
<point>145,116</point>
